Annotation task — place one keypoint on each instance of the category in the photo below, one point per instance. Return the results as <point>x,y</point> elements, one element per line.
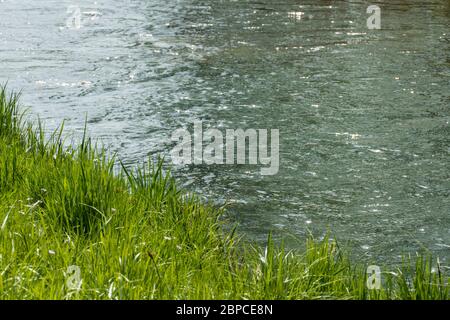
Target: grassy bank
<point>134,235</point>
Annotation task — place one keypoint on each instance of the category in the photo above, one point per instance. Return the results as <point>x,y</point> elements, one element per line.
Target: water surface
<point>363,114</point>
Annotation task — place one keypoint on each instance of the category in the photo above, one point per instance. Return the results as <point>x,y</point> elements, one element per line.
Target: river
<point>363,114</point>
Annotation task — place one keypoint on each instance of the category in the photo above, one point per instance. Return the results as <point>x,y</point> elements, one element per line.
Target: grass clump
<point>135,235</point>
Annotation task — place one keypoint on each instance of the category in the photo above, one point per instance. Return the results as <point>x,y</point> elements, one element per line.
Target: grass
<point>135,235</point>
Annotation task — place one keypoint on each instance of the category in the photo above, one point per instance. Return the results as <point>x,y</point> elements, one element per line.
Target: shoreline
<point>73,228</point>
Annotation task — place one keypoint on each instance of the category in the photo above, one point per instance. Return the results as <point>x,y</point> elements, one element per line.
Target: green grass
<point>135,235</point>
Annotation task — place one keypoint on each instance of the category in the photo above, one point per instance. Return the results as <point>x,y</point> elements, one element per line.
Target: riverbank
<point>73,227</point>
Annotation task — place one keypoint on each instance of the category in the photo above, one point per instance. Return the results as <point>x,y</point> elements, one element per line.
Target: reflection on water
<point>363,114</point>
